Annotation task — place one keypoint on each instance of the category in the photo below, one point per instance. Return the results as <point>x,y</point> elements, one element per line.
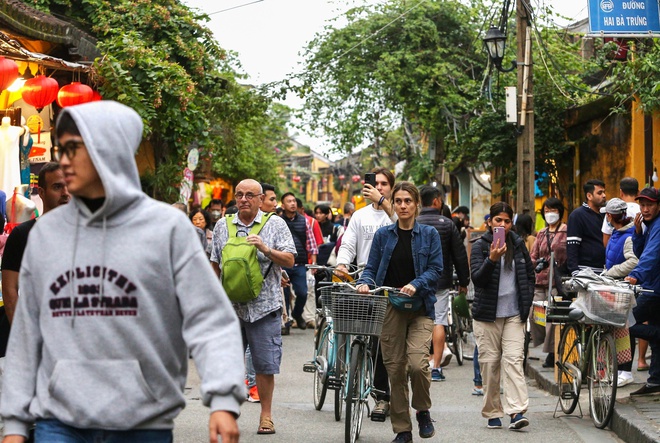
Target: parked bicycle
<point>587,344</point>
<point>460,325</point>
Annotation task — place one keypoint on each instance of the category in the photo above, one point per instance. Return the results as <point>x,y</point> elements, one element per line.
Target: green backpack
<point>241,274</point>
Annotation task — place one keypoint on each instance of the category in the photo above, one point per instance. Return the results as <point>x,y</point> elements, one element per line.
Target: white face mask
<point>551,217</point>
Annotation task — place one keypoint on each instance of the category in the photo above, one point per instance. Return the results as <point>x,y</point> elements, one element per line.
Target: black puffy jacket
<point>453,250</point>
<point>486,278</point>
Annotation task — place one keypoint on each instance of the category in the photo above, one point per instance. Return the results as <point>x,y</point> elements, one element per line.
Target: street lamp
<point>495,41</point>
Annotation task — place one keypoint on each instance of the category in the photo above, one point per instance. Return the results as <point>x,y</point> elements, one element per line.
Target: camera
<point>541,264</point>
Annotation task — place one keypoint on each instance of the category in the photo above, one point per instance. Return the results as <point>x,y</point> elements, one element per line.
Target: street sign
<point>624,18</point>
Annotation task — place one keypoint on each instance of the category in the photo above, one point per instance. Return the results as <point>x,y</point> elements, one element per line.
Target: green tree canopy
<point>162,61</point>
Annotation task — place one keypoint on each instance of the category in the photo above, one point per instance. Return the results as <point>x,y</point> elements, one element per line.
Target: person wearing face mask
<point>215,211</point>
<point>552,238</point>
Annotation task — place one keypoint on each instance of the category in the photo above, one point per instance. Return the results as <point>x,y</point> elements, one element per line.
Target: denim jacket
<point>427,259</point>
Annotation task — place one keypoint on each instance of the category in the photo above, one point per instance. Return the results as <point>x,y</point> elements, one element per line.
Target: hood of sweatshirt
<point>112,133</point>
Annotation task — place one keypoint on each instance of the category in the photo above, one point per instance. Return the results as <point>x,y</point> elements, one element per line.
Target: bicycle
<point>460,325</point>
<point>359,317</point>
<point>587,344</point>
<point>326,364</point>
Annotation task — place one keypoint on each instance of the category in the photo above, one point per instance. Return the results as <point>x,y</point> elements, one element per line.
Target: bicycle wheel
<point>603,369</point>
<point>324,337</point>
<point>459,337</point>
<point>570,377</point>
<point>340,374</point>
<point>354,393</point>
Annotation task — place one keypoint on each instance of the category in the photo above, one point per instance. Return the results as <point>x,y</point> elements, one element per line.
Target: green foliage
<point>160,60</point>
<point>639,76</point>
<point>391,62</point>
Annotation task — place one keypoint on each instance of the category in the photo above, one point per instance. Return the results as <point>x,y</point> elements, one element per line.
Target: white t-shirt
<point>632,211</point>
<point>359,234</point>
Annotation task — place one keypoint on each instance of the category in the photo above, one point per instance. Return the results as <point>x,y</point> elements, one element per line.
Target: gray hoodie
<point>109,300</point>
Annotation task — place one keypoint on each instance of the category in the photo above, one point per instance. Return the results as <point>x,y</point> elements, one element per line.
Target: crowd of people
<point>111,307</point>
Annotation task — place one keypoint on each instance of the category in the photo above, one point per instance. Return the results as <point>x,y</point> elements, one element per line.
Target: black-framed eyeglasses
<point>69,149</point>
<point>249,195</point>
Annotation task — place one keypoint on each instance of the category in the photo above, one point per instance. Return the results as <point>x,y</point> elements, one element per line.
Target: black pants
<point>381,380</point>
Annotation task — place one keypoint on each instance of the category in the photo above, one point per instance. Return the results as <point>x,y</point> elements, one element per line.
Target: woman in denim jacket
<point>407,255</point>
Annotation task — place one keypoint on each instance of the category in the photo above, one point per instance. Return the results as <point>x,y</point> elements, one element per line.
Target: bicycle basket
<point>605,305</point>
<point>357,314</point>
<point>326,300</point>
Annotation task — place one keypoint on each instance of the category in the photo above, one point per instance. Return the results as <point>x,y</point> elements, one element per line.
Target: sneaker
<point>647,389</point>
<point>437,375</point>
<point>478,391</point>
<point>494,423</point>
<point>253,395</point>
<point>381,411</point>
<point>518,421</point>
<point>446,357</point>
<point>300,323</point>
<point>549,361</point>
<point>426,429</point>
<point>403,437</point>
<point>624,378</point>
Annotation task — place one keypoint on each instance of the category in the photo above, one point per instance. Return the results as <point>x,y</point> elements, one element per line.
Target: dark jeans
<point>648,310</point>
<point>298,276</point>
<point>54,431</point>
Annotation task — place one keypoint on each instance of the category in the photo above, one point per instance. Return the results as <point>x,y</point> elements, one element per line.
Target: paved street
<point>456,411</point>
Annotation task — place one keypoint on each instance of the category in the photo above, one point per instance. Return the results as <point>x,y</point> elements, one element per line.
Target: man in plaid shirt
<point>303,237</point>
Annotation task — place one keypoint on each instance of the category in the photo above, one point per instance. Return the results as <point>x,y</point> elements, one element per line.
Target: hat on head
<point>615,206</point>
<point>649,194</point>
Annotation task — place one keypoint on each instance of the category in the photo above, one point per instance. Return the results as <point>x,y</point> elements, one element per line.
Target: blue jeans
<point>54,431</point>
<point>298,276</point>
<point>477,371</point>
<point>648,310</point>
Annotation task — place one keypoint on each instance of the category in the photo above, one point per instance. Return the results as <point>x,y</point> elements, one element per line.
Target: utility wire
<point>235,7</point>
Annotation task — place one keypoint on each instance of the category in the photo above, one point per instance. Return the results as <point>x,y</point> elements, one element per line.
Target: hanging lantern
<point>40,91</point>
<point>96,96</point>
<point>342,176</point>
<point>8,73</point>
<point>74,94</point>
<point>296,178</point>
<point>355,178</point>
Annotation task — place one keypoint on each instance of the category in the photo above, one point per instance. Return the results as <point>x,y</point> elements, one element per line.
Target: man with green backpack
<point>249,250</point>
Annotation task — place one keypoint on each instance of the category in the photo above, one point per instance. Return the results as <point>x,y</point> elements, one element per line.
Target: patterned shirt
<point>276,235</point>
<point>312,244</point>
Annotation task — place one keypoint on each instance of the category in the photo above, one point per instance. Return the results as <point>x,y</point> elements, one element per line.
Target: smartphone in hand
<point>370,179</point>
<point>499,234</point>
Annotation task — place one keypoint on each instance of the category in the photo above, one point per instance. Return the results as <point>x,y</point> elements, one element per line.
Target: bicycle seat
<point>575,314</point>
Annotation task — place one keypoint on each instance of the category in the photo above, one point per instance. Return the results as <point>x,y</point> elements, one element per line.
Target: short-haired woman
<point>503,278</point>
<point>407,255</point>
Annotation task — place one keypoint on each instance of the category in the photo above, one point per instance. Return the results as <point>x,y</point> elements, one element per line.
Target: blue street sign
<point>624,18</point>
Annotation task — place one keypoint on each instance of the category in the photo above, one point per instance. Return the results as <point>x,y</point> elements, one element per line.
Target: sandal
<point>643,368</point>
<point>266,426</point>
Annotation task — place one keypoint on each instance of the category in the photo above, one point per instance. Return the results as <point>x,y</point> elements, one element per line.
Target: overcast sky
<point>269,34</point>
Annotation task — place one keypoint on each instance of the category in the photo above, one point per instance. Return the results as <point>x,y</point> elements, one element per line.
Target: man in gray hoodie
<point>110,302</point>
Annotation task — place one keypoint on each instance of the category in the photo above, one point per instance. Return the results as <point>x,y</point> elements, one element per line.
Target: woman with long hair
<point>407,255</point>
<point>503,278</point>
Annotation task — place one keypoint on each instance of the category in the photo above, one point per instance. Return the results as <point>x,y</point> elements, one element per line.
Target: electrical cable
<point>235,7</point>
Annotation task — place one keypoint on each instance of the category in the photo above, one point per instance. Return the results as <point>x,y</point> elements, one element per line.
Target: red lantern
<point>296,178</point>
<point>342,176</point>
<point>40,91</point>
<point>96,96</point>
<point>8,73</point>
<point>355,178</point>
<point>74,94</point>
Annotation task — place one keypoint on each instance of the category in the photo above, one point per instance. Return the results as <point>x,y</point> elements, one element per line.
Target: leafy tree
<point>394,65</point>
<point>159,59</point>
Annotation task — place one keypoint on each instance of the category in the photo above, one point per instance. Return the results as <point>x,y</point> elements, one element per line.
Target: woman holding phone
<point>503,277</point>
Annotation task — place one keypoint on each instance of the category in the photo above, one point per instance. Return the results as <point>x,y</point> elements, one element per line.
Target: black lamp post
<point>495,41</point>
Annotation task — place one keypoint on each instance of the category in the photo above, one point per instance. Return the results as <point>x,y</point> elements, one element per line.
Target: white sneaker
<point>624,378</point>
<point>446,357</point>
